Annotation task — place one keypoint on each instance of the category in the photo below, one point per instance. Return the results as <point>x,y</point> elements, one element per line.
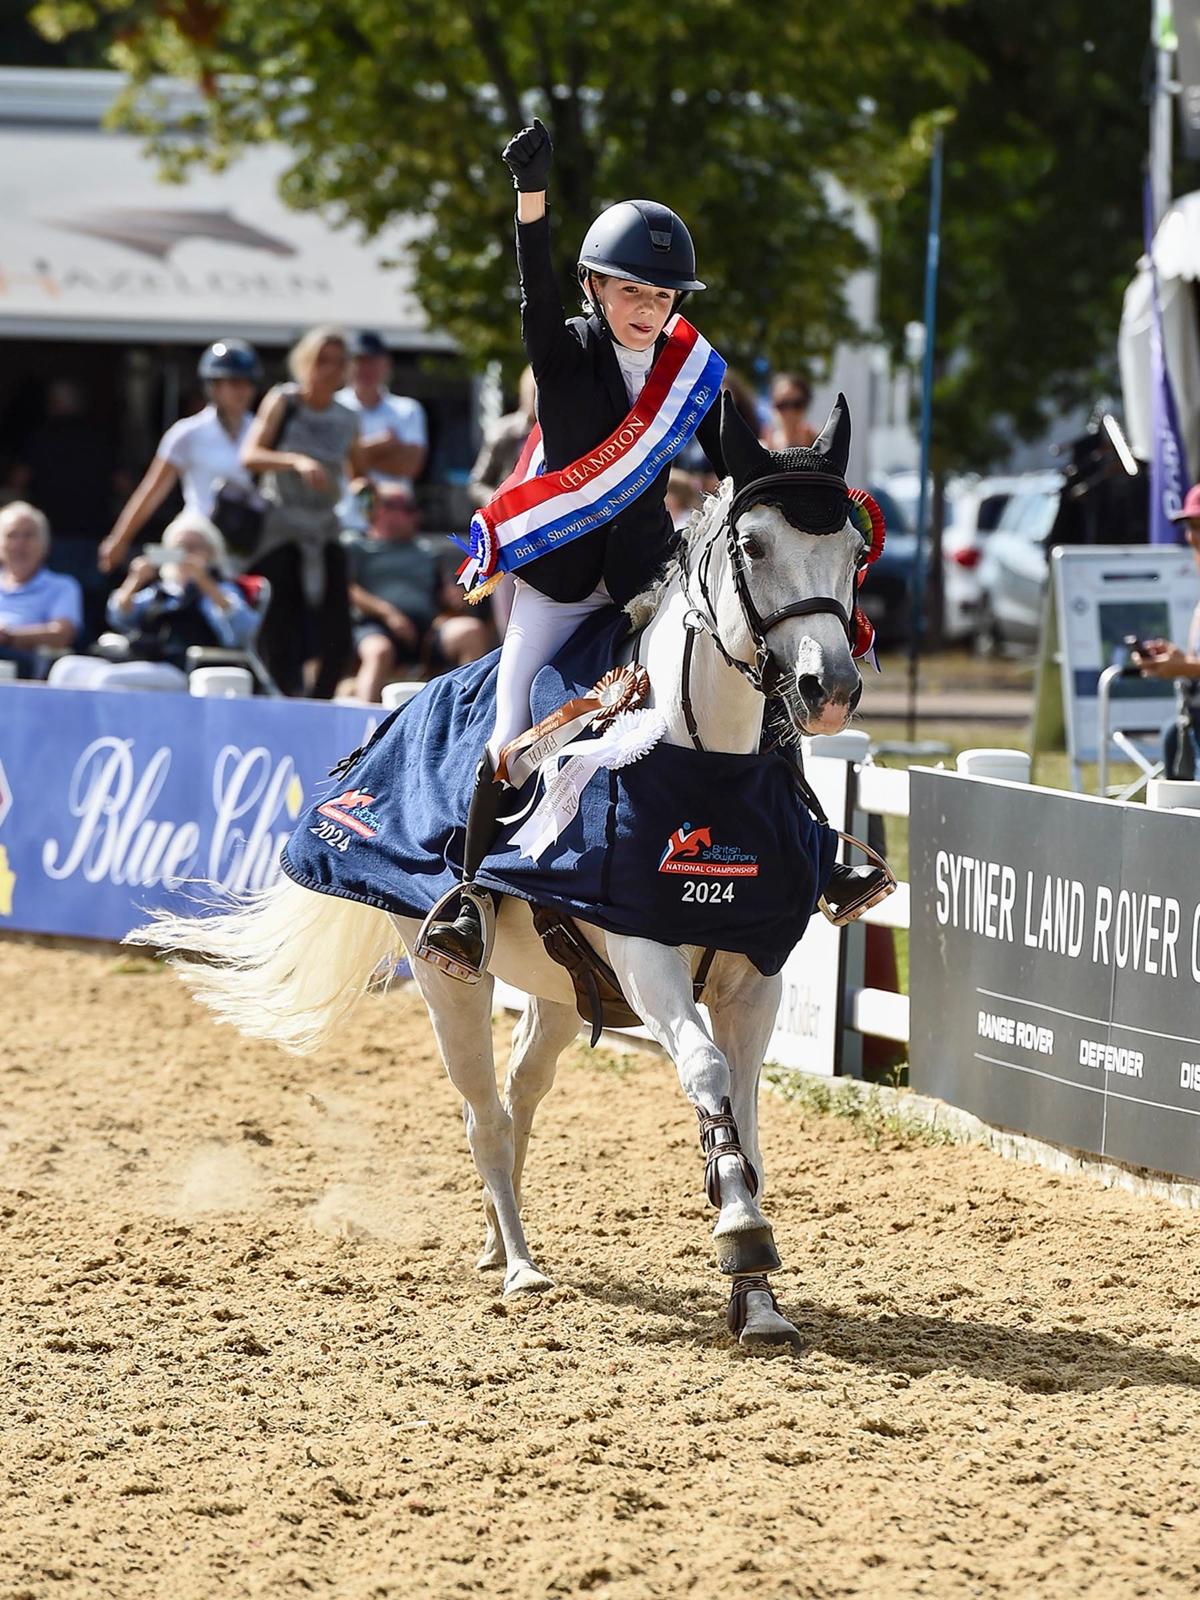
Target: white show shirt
<point>635,368</point>
<point>203,455</point>
<point>397,414</point>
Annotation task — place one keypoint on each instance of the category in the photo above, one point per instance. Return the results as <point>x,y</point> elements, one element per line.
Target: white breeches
<point>537,627</point>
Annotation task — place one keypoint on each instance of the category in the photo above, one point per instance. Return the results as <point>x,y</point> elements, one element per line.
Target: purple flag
<point>1168,463</point>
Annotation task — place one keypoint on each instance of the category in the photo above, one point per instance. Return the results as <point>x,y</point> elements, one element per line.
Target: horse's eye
<point>751,547</point>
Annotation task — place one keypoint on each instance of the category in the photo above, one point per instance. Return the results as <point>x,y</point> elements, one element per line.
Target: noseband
<point>764,670</point>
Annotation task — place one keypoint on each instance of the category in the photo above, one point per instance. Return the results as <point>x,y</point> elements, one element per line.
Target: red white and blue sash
<point>535,511</point>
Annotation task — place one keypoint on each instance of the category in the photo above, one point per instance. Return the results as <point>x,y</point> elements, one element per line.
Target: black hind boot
<point>461,947</point>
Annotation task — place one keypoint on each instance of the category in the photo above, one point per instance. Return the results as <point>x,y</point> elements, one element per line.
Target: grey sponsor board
<point>1055,966</point>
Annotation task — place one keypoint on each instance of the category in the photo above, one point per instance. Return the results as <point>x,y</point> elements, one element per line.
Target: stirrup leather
<point>870,897</point>
<point>453,968</point>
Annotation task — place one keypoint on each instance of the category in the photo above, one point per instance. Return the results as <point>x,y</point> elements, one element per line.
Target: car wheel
<point>989,641</point>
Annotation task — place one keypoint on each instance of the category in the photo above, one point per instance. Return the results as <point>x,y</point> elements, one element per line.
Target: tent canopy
<point>94,246</point>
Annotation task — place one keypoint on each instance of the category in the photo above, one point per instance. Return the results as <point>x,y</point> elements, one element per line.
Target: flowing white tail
<point>283,964</point>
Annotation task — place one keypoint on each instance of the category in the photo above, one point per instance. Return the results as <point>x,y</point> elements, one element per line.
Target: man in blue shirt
<point>40,610</point>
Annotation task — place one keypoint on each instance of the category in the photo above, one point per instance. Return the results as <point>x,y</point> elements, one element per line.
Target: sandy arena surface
<point>245,1350</point>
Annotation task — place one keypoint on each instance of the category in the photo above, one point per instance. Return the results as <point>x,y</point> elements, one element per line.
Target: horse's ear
<point>834,443</point>
<point>745,458</point>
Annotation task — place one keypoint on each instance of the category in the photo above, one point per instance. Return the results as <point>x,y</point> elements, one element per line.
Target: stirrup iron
<point>870,897</point>
<point>485,906</point>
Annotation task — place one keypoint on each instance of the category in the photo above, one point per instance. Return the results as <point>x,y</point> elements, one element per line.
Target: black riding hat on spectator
<point>230,358</point>
<point>642,242</point>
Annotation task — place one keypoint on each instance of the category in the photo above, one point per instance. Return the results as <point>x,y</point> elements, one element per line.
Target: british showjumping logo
<point>692,850</point>
<point>353,811</point>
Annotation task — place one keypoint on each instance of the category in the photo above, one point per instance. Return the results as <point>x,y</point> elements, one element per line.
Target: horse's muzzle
<point>827,707</point>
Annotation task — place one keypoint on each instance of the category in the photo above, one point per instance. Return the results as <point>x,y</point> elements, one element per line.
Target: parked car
<point>974,507</point>
<point>1015,564</point>
<point>886,596</point>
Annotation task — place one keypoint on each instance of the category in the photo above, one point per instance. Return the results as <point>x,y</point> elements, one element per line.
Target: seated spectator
<point>40,610</point>
<point>166,604</point>
<point>406,611</point>
<point>1164,660</point>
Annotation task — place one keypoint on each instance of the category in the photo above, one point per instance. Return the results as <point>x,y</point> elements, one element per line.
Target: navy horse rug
<point>681,846</point>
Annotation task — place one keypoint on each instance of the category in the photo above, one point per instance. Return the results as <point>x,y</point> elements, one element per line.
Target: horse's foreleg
<point>462,1024</point>
<point>544,1030</point>
<point>743,1008</point>
<point>657,980</point>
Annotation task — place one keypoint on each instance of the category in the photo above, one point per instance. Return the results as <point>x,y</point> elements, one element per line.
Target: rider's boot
<point>460,946</point>
<point>852,890</point>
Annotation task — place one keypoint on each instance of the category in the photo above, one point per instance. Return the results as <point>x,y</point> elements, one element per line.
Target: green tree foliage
<point>1041,218</point>
<point>739,116</point>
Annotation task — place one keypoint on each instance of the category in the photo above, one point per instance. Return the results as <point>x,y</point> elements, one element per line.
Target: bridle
<point>763,672</point>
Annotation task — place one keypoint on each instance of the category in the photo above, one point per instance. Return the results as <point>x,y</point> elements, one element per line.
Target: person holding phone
<point>1160,658</point>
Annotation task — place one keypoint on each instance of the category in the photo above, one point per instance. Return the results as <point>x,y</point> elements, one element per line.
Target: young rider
<point>636,265</point>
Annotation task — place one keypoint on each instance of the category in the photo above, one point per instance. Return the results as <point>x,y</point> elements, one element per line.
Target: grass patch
<point>616,1063</point>
<point>878,1115</point>
<point>136,967</point>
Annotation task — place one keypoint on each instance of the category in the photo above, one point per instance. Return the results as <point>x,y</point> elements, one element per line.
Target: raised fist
<point>528,155</point>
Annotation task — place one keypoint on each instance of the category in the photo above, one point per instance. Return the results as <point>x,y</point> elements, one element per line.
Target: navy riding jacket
<point>581,400</point>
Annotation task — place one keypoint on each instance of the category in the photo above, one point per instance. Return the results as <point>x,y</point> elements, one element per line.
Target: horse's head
<point>794,551</point>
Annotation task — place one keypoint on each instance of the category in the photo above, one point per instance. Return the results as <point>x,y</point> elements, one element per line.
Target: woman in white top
<point>197,452</point>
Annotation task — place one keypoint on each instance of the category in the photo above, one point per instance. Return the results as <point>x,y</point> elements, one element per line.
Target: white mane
<point>705,520</point>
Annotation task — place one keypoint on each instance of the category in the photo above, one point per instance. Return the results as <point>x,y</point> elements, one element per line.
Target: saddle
<point>599,998</point>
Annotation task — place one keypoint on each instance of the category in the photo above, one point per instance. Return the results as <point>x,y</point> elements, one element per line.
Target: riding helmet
<point>643,242</point>
<point>230,358</point>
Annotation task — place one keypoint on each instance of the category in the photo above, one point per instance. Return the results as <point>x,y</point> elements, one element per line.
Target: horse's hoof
<point>752,1250</point>
<point>525,1279</point>
<point>493,1257</point>
<point>768,1331</point>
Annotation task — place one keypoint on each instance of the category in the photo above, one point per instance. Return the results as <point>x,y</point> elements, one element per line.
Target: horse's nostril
<point>808,687</point>
<point>856,695</point>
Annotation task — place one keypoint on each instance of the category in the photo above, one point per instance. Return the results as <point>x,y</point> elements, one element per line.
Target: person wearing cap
<point>636,266</point>
<point>393,425</point>
<point>1163,660</point>
<point>196,452</point>
<point>405,609</point>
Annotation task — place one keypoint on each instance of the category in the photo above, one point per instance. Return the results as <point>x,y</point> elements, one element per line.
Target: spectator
<point>201,451</point>
<point>1164,660</point>
<point>40,610</point>
<point>408,610</point>
<point>306,444</point>
<point>791,397</point>
<point>392,427</point>
<point>503,444</point>
<point>684,495</point>
<point>163,608</point>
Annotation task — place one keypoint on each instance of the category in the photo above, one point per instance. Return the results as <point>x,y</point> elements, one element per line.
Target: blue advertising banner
<point>111,803</point>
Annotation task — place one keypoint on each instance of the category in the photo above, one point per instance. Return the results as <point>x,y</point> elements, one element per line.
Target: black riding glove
<point>528,156</point>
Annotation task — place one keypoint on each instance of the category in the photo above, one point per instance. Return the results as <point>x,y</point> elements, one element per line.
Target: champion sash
<point>535,511</point>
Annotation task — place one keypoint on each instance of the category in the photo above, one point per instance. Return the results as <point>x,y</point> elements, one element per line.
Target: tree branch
<point>487,37</point>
